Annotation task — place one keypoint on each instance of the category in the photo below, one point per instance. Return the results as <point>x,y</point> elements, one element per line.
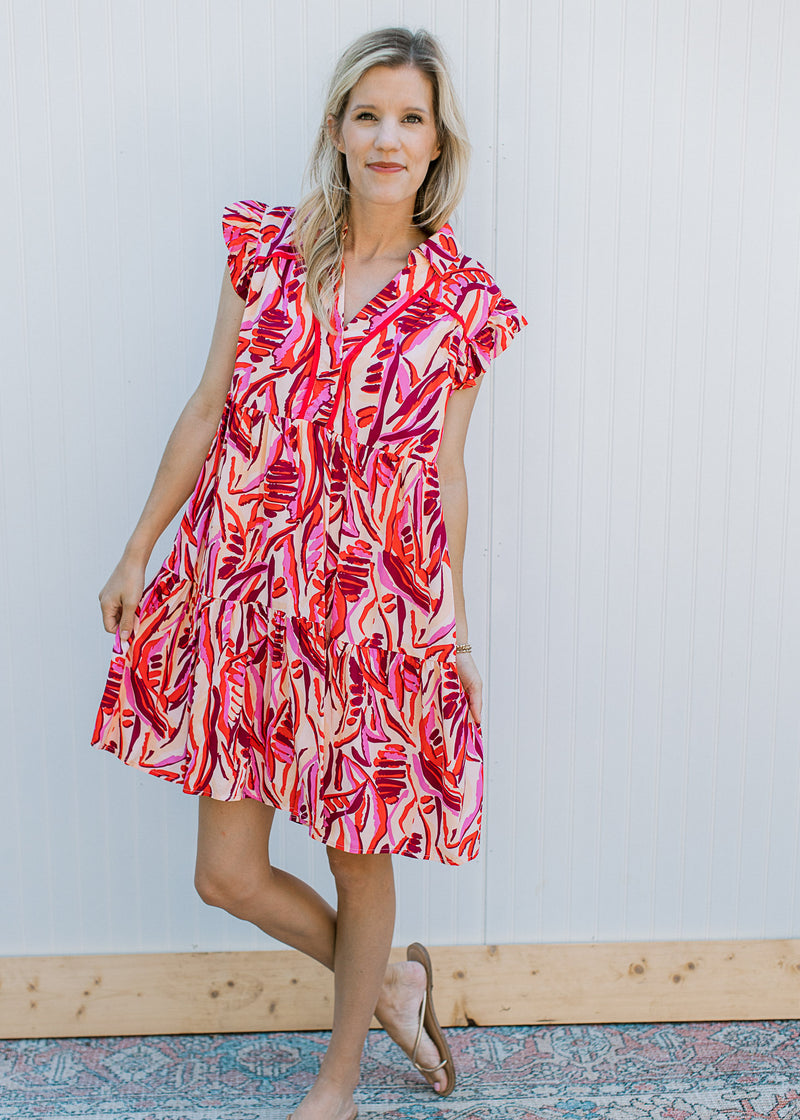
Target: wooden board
<point>197,993</point>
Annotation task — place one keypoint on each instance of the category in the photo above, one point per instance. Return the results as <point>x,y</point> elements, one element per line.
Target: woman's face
<point>388,135</point>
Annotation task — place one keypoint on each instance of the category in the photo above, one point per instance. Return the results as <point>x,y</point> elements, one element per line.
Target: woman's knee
<point>359,872</point>
<point>231,888</point>
<point>211,886</point>
<point>232,864</point>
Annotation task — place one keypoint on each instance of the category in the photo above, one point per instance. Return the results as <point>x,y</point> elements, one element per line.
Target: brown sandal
<point>429,1022</point>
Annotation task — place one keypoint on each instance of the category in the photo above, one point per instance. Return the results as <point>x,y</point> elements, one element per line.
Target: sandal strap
<point>431,1069</point>
<point>421,1027</point>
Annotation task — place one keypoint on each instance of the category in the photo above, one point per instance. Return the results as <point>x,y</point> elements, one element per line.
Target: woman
<point>304,645</point>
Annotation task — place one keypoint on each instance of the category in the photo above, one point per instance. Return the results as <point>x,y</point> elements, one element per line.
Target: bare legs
<point>364,925</point>
<point>234,872</point>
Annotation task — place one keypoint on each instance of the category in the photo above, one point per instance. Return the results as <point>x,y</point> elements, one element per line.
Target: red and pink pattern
<point>298,643</point>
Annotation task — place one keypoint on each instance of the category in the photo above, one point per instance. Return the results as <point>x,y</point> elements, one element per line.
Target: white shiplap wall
<point>633,557</point>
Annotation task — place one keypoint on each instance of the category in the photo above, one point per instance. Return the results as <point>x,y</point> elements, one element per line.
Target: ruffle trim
<point>241,227</point>
<point>374,750</point>
<point>475,349</point>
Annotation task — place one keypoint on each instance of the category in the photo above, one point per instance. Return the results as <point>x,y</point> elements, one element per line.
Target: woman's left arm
<point>455,505</point>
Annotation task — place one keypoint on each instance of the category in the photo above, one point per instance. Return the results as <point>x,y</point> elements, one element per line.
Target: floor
<point>640,1071</point>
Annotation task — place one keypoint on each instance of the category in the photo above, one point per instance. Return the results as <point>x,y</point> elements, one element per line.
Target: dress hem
<point>314,834</point>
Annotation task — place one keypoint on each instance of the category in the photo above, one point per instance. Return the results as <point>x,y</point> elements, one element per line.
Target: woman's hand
<point>121,594</point>
<point>471,680</point>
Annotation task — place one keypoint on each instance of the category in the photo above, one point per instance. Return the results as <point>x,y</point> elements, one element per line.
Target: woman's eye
<point>365,114</point>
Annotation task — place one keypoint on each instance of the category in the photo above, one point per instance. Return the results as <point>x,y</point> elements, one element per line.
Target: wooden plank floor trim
<point>198,993</point>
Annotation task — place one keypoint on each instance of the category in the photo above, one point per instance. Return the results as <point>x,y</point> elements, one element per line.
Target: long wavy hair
<point>323,210</point>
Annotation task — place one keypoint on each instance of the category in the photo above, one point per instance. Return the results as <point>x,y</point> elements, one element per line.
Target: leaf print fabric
<point>298,643</point>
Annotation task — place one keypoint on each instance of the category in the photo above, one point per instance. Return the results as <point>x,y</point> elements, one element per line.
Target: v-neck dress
<point>297,645</point>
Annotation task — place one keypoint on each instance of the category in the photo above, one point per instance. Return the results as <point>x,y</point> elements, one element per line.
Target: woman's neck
<point>378,231</point>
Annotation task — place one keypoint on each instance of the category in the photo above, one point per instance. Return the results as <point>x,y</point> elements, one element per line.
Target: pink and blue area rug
<point>640,1071</point>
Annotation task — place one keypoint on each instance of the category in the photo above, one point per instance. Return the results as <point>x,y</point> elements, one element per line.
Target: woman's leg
<point>234,872</point>
<point>364,925</point>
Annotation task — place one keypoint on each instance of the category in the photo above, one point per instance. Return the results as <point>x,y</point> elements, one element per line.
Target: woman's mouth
<point>385,167</point>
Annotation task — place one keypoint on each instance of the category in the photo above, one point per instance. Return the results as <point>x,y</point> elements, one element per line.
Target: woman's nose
<point>388,138</point>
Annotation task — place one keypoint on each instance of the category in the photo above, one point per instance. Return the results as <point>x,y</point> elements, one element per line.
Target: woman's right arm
<point>180,465</point>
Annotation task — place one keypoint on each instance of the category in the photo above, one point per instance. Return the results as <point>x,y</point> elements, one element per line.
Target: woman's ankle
<point>325,1099</point>
<point>334,1078</point>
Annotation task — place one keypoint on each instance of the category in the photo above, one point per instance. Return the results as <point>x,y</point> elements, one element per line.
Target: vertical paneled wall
<point>633,554</point>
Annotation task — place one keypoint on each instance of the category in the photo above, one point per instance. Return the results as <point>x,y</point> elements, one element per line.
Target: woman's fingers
<point>111,610</point>
<point>118,615</point>
<point>126,622</point>
<point>471,681</point>
<point>475,703</point>
<point>120,598</point>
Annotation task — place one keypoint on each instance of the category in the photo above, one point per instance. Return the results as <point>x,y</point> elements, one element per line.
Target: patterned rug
<point>640,1071</point>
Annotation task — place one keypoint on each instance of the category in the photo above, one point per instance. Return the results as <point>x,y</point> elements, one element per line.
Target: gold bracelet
<point>465,648</point>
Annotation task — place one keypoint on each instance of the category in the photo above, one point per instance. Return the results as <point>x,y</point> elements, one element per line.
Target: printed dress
<point>298,643</point>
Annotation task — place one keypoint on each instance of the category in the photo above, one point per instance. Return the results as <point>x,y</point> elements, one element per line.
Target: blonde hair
<point>323,211</point>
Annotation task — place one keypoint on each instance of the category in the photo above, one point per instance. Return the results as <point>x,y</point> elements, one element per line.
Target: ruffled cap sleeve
<point>492,324</point>
<point>241,228</point>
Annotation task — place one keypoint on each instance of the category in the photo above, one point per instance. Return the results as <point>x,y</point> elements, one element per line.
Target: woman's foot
<point>397,1011</point>
<point>326,1100</point>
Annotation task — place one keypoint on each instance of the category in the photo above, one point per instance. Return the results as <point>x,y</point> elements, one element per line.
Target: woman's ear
<point>333,131</point>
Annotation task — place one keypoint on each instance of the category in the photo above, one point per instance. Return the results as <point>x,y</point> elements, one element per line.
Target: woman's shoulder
<point>461,272</point>
<point>465,283</point>
<point>253,232</point>
<point>259,230</point>
<point>470,291</point>
<point>257,216</point>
